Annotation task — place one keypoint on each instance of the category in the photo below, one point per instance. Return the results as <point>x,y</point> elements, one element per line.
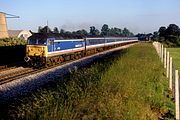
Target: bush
<point>12,42</point>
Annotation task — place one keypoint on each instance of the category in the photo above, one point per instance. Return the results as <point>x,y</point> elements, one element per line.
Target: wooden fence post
<point>177,94</point>
<point>159,49</point>
<point>165,57</point>
<point>167,72</point>
<point>162,51</point>
<point>170,74</point>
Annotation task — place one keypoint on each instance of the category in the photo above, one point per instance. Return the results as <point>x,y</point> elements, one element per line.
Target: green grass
<point>128,85</point>
<point>175,54</point>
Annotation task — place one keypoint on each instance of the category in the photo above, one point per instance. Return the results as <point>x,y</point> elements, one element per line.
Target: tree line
<point>169,35</point>
<point>93,32</point>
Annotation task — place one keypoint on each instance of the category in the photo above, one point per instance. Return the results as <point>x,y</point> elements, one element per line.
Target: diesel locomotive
<point>50,49</point>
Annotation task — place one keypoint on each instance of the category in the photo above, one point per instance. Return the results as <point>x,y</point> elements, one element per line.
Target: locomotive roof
<point>43,36</point>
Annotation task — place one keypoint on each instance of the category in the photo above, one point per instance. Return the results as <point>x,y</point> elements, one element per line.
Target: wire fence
<point>171,73</point>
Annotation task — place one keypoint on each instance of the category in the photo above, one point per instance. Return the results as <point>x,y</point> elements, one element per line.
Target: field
<point>175,54</point>
<point>127,85</point>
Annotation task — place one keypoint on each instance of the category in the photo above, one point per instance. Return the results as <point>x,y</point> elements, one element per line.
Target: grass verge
<point>128,85</point>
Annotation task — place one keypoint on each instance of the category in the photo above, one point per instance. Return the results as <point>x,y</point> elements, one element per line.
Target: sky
<point>139,16</point>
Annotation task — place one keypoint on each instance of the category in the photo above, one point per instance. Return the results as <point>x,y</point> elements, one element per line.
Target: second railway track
<point>8,77</point>
<point>15,75</point>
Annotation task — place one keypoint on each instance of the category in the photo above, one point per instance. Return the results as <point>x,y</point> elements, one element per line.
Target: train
<point>50,49</point>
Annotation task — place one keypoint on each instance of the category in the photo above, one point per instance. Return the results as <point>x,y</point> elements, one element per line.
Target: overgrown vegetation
<point>126,86</point>
<point>12,42</point>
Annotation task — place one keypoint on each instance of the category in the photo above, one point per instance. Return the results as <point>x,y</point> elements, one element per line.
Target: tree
<point>39,29</point>
<point>115,32</point>
<point>45,29</point>
<point>94,31</point>
<point>112,32</point>
<point>97,32</point>
<point>68,33</point>
<point>162,31</point>
<point>118,31</point>
<point>105,30</point>
<point>170,35</point>
<point>178,33</point>
<point>126,32</point>
<point>55,30</point>
<point>155,36</point>
<point>82,32</point>
<point>62,31</point>
<point>172,29</point>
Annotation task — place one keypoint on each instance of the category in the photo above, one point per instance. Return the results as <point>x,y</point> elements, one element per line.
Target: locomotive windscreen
<point>37,42</point>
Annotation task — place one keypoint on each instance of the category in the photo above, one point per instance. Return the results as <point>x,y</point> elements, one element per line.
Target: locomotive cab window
<point>37,42</point>
<point>42,42</point>
<point>32,42</point>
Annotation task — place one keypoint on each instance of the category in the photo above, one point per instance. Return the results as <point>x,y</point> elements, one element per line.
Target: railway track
<point>10,66</point>
<point>26,71</point>
<point>8,77</point>
<point>15,75</point>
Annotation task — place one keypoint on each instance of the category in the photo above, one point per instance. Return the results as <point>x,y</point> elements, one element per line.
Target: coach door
<point>50,45</point>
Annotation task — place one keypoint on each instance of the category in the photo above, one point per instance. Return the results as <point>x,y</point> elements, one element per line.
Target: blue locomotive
<point>50,49</point>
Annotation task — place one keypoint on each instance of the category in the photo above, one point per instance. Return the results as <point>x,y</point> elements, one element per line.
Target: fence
<point>171,74</point>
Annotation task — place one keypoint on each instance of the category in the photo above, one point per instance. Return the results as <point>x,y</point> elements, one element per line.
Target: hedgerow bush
<point>12,42</point>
